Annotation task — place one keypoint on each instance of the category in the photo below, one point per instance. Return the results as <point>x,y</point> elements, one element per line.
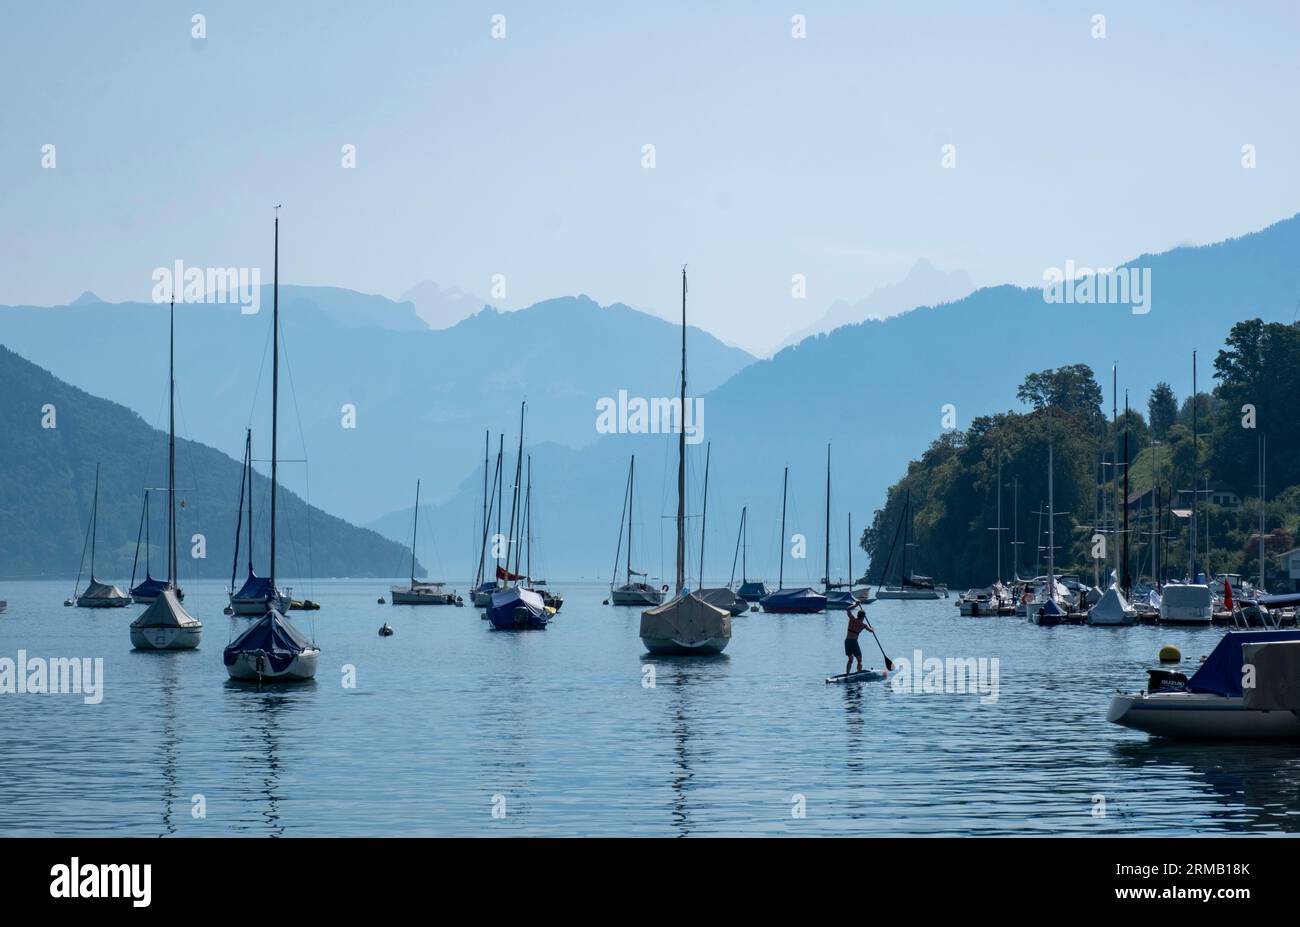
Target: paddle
<point>889,664</point>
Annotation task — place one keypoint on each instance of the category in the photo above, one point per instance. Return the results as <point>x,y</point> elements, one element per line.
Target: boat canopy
<point>517,606</point>
<point>255,587</point>
<point>149,587</point>
<point>752,591</point>
<point>1113,605</point>
<point>687,619</point>
<point>166,612</point>
<point>1287,600</point>
<point>720,597</point>
<point>800,598</point>
<point>1220,674</point>
<point>98,590</point>
<point>273,635</point>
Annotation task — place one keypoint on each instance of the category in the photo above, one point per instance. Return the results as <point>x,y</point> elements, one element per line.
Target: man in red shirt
<point>857,624</point>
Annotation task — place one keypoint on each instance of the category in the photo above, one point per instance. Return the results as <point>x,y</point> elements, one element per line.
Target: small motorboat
<point>518,609</point>
<point>1213,704</point>
<point>1187,604</point>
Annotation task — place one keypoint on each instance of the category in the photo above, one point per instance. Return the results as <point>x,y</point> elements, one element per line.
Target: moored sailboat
<point>633,591</point>
<point>421,592</point>
<point>517,608</point>
<point>1189,603</point>
<point>258,594</point>
<point>271,649</point>
<point>718,596</point>
<point>911,586</point>
<point>148,589</point>
<point>97,594</point>
<point>685,625</point>
<point>165,624</point>
<point>801,601</point>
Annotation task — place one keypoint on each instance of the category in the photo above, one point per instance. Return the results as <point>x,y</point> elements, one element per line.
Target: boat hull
<point>256,608</point>
<point>1197,716</point>
<point>913,594</point>
<point>670,647</point>
<point>166,638</point>
<point>406,597</point>
<point>636,597</point>
<point>246,668</point>
<point>86,601</point>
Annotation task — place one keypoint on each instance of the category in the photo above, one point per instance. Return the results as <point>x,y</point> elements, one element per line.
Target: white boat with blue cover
<point>1213,704</point>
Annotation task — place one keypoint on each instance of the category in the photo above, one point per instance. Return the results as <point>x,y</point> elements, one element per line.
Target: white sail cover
<point>1112,609</point>
<point>688,620</point>
<point>166,612</point>
<point>98,590</point>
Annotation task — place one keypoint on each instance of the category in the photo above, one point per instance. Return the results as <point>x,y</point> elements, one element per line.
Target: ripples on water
<point>447,715</point>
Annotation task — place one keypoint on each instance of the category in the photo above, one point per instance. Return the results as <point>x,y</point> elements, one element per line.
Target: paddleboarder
<point>857,624</point>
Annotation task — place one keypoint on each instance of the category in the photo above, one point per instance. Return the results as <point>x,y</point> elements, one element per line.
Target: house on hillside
<point>1224,498</point>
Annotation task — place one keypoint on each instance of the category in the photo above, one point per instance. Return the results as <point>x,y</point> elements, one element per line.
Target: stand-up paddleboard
<point>870,675</point>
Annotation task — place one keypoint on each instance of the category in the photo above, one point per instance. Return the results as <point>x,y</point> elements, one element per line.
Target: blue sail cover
<point>1051,608</point>
<point>255,587</point>
<point>840,600</point>
<point>274,636</point>
<point>1220,674</point>
<point>752,591</point>
<point>795,600</point>
<point>149,587</point>
<point>517,608</point>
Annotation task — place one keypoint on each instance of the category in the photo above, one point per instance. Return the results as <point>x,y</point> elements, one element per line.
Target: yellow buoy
<point>1170,654</point>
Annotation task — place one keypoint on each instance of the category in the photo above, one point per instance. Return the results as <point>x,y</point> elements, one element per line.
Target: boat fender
<point>1170,654</point>
<point>261,663</point>
<point>665,588</point>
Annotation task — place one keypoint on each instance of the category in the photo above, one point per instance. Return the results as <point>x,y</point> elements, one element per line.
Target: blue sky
<point>522,156</point>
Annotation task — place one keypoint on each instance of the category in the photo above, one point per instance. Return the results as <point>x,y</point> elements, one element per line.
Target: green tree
<point>1071,389</point>
<point>1162,409</point>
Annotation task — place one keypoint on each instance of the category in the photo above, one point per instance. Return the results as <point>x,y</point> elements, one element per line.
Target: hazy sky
<point>522,155</point>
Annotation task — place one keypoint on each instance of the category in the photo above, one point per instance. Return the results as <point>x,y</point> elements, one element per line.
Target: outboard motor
<point>1159,680</point>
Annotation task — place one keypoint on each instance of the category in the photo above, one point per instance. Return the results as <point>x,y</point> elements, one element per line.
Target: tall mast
<point>415,530</point>
<point>248,470</point>
<point>94,525</point>
<point>500,481</point>
<point>850,576</point>
<point>171,447</point>
<point>708,451</point>
<point>487,436</point>
<point>1196,456</point>
<point>528,522</point>
<point>146,534</point>
<point>744,545</point>
<point>1015,524</point>
<point>1051,526</point>
<point>514,500</point>
<point>631,487</point>
<point>907,528</point>
<point>1125,580</point>
<point>785,482</point>
<point>275,387</point>
<point>681,458</point>
<point>1263,447</point>
<point>826,576</point>
<point>999,527</point>
<point>1114,420</point>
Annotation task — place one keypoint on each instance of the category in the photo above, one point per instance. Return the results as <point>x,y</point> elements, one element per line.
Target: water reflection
<point>1253,786</point>
<point>263,716</point>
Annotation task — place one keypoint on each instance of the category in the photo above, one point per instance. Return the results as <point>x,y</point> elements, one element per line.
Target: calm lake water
<point>449,719</point>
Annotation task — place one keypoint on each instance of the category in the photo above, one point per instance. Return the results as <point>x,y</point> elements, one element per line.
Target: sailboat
<point>258,594</point>
<point>686,624</point>
<point>165,624</point>
<point>148,589</point>
<point>719,596</point>
<point>553,601</point>
<point>97,594</point>
<point>484,587</point>
<point>1049,611</point>
<point>837,597</point>
<point>1113,609</point>
<point>517,608</point>
<point>801,601</point>
<point>1189,603</point>
<point>911,586</point>
<point>752,591</point>
<point>632,591</point>
<point>271,649</point>
<point>419,592</point>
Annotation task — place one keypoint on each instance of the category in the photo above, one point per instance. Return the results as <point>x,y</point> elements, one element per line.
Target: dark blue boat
<point>517,609</point>
<point>795,602</point>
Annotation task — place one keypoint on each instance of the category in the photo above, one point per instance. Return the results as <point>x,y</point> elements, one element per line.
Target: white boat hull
<point>256,608</point>
<point>245,668</point>
<point>1193,715</point>
<point>636,597</point>
<point>167,638</point>
<point>406,597</point>
<point>916,594</point>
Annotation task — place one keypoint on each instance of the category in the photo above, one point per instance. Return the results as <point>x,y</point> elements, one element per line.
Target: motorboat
<point>1186,604</point>
<point>1213,704</point>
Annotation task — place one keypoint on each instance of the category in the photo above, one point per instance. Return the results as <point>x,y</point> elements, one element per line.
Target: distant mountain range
<point>421,398</point>
<point>924,285</point>
<point>49,473</point>
<point>877,390</point>
<point>441,308</point>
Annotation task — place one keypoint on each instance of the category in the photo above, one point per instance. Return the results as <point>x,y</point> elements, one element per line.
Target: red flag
<point>1227,594</point>
<point>503,573</point>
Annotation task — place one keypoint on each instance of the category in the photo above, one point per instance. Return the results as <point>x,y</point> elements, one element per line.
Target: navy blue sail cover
<point>1220,674</point>
<point>149,586</point>
<point>255,587</point>
<point>805,598</point>
<point>273,635</point>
